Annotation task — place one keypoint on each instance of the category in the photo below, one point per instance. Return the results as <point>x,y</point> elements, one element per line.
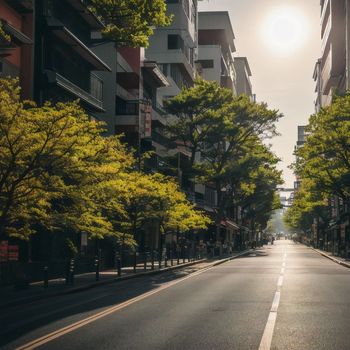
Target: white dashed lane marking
<point>266,339</point>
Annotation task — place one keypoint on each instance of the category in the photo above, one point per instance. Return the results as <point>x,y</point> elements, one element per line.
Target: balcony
<point>6,48</point>
<point>173,56</point>
<point>125,94</point>
<point>127,107</point>
<point>326,35</point>
<point>92,98</point>
<point>182,20</point>
<point>328,78</point>
<point>162,140</point>
<point>82,8</point>
<point>128,112</point>
<point>226,82</point>
<point>158,115</point>
<point>325,12</point>
<point>64,34</point>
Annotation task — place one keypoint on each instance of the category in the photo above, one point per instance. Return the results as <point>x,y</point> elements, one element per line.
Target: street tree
<point>156,199</point>
<point>254,181</point>
<point>325,157</point>
<point>53,163</point>
<point>197,109</point>
<point>242,126</point>
<point>309,207</point>
<point>130,22</point>
<point>211,121</point>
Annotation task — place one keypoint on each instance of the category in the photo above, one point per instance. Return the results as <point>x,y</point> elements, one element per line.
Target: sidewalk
<point>36,291</point>
<point>336,259</point>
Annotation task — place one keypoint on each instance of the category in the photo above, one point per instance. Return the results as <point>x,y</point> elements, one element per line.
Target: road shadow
<point>18,321</point>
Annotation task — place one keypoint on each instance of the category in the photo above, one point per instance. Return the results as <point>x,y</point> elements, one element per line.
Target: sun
<point>285,30</point>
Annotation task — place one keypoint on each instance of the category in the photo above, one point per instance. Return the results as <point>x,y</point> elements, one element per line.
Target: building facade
<point>175,48</point>
<point>16,50</point>
<point>243,74</point>
<point>332,75</point>
<point>216,48</point>
<point>332,70</point>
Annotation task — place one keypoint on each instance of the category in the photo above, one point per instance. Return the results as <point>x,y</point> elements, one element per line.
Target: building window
<point>126,107</point>
<point>164,68</point>
<point>174,42</point>
<point>207,64</point>
<point>176,75</point>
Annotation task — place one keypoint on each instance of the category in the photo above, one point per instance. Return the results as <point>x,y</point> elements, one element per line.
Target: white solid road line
<point>266,340</point>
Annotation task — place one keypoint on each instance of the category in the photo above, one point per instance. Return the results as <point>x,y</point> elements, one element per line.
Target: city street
<point>231,306</point>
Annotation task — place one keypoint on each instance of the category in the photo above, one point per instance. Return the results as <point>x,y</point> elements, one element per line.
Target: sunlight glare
<point>285,30</point>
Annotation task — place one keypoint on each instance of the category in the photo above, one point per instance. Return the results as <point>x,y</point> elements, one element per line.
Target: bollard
<point>71,271</point>
<point>145,261</point>
<point>171,258</point>
<point>159,260</point>
<point>118,263</point>
<point>166,260</point>
<point>97,268</point>
<point>152,260</point>
<point>46,277</point>
<point>135,261</point>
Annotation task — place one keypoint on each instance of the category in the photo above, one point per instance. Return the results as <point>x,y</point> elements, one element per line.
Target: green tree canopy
<point>57,171</point>
<point>53,160</point>
<point>227,132</point>
<point>325,157</point>
<point>308,203</point>
<point>130,22</point>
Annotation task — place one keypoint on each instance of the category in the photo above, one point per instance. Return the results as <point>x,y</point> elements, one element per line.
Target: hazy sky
<point>281,39</point>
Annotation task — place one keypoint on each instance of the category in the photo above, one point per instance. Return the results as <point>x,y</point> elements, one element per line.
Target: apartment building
<point>243,74</point>
<point>137,110</point>
<point>216,48</point>
<point>64,63</point>
<point>332,75</point>
<point>50,43</point>
<point>331,72</point>
<point>175,48</point>
<point>16,54</point>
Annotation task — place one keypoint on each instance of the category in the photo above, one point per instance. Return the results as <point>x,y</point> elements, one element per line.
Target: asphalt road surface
<point>284,296</point>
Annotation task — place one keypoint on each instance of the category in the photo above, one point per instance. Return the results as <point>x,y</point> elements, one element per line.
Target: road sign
<point>3,251</point>
<point>13,253</point>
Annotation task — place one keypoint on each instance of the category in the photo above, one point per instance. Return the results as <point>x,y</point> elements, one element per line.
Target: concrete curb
<point>339,262</point>
<point>121,279</point>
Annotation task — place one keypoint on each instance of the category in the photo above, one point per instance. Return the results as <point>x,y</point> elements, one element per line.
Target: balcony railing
<point>326,35</point>
<point>93,97</point>
<point>326,73</point>
<point>127,107</point>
